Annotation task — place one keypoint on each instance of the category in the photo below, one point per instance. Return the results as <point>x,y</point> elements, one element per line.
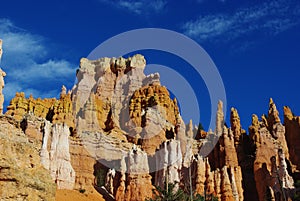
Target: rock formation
<point>56,111</point>
<point>168,164</point>
<point>60,166</point>
<point>61,110</point>
<point>20,105</point>
<point>109,180</point>
<point>152,110</point>
<point>83,164</point>
<point>68,153</point>
<point>292,134</point>
<point>270,157</point>
<point>224,176</point>
<point>118,130</point>
<point>112,81</point>
<point>139,186</point>
<point>2,75</point>
<point>22,176</point>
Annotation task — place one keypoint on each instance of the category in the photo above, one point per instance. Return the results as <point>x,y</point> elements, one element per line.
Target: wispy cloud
<point>140,6</point>
<point>266,19</point>
<point>28,66</point>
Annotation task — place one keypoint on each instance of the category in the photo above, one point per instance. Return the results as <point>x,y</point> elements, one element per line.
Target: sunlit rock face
<point>2,75</point>
<point>292,128</point>
<point>119,130</point>
<point>22,176</point>
<point>58,159</point>
<point>271,156</point>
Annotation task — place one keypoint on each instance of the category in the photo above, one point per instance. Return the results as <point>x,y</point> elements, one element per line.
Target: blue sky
<point>254,44</point>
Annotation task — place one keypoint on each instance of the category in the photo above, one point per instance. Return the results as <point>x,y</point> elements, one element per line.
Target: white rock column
<point>2,75</point>
<point>44,151</point>
<point>169,161</point>
<point>61,169</point>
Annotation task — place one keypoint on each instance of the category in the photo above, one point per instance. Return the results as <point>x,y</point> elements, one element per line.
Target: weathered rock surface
<point>168,164</point>
<point>270,168</point>
<point>22,177</point>
<point>75,154</point>
<point>224,172</point>
<point>125,107</point>
<point>119,129</point>
<point>62,111</point>
<point>292,134</point>
<point>56,111</point>
<point>2,75</point>
<point>83,165</point>
<point>60,166</point>
<point>20,105</point>
<point>113,81</point>
<point>155,114</point>
<point>139,186</point>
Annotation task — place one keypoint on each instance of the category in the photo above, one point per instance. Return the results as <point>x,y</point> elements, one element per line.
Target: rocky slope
<point>119,132</point>
<point>22,176</point>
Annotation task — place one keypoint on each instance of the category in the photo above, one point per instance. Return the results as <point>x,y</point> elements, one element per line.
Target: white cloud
<point>28,66</point>
<point>270,18</point>
<point>51,69</point>
<point>139,6</point>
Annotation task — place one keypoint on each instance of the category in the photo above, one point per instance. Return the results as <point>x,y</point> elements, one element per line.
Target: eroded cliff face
<point>119,129</point>
<point>292,128</point>
<point>22,177</point>
<point>220,173</point>
<point>56,111</point>
<point>273,181</point>
<point>136,184</point>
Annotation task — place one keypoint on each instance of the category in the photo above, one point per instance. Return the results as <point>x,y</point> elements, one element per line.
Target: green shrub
<point>169,195</point>
<point>81,190</point>
<point>100,177</point>
<point>296,196</point>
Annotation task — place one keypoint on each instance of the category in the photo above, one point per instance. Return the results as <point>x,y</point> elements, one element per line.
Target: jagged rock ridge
<point>119,128</point>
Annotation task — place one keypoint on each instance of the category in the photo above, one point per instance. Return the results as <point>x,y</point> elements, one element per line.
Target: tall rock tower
<point>2,75</point>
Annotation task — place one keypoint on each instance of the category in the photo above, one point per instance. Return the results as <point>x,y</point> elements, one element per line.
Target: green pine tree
<point>168,194</point>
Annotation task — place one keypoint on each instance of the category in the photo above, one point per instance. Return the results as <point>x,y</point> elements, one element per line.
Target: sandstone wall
<point>119,128</point>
